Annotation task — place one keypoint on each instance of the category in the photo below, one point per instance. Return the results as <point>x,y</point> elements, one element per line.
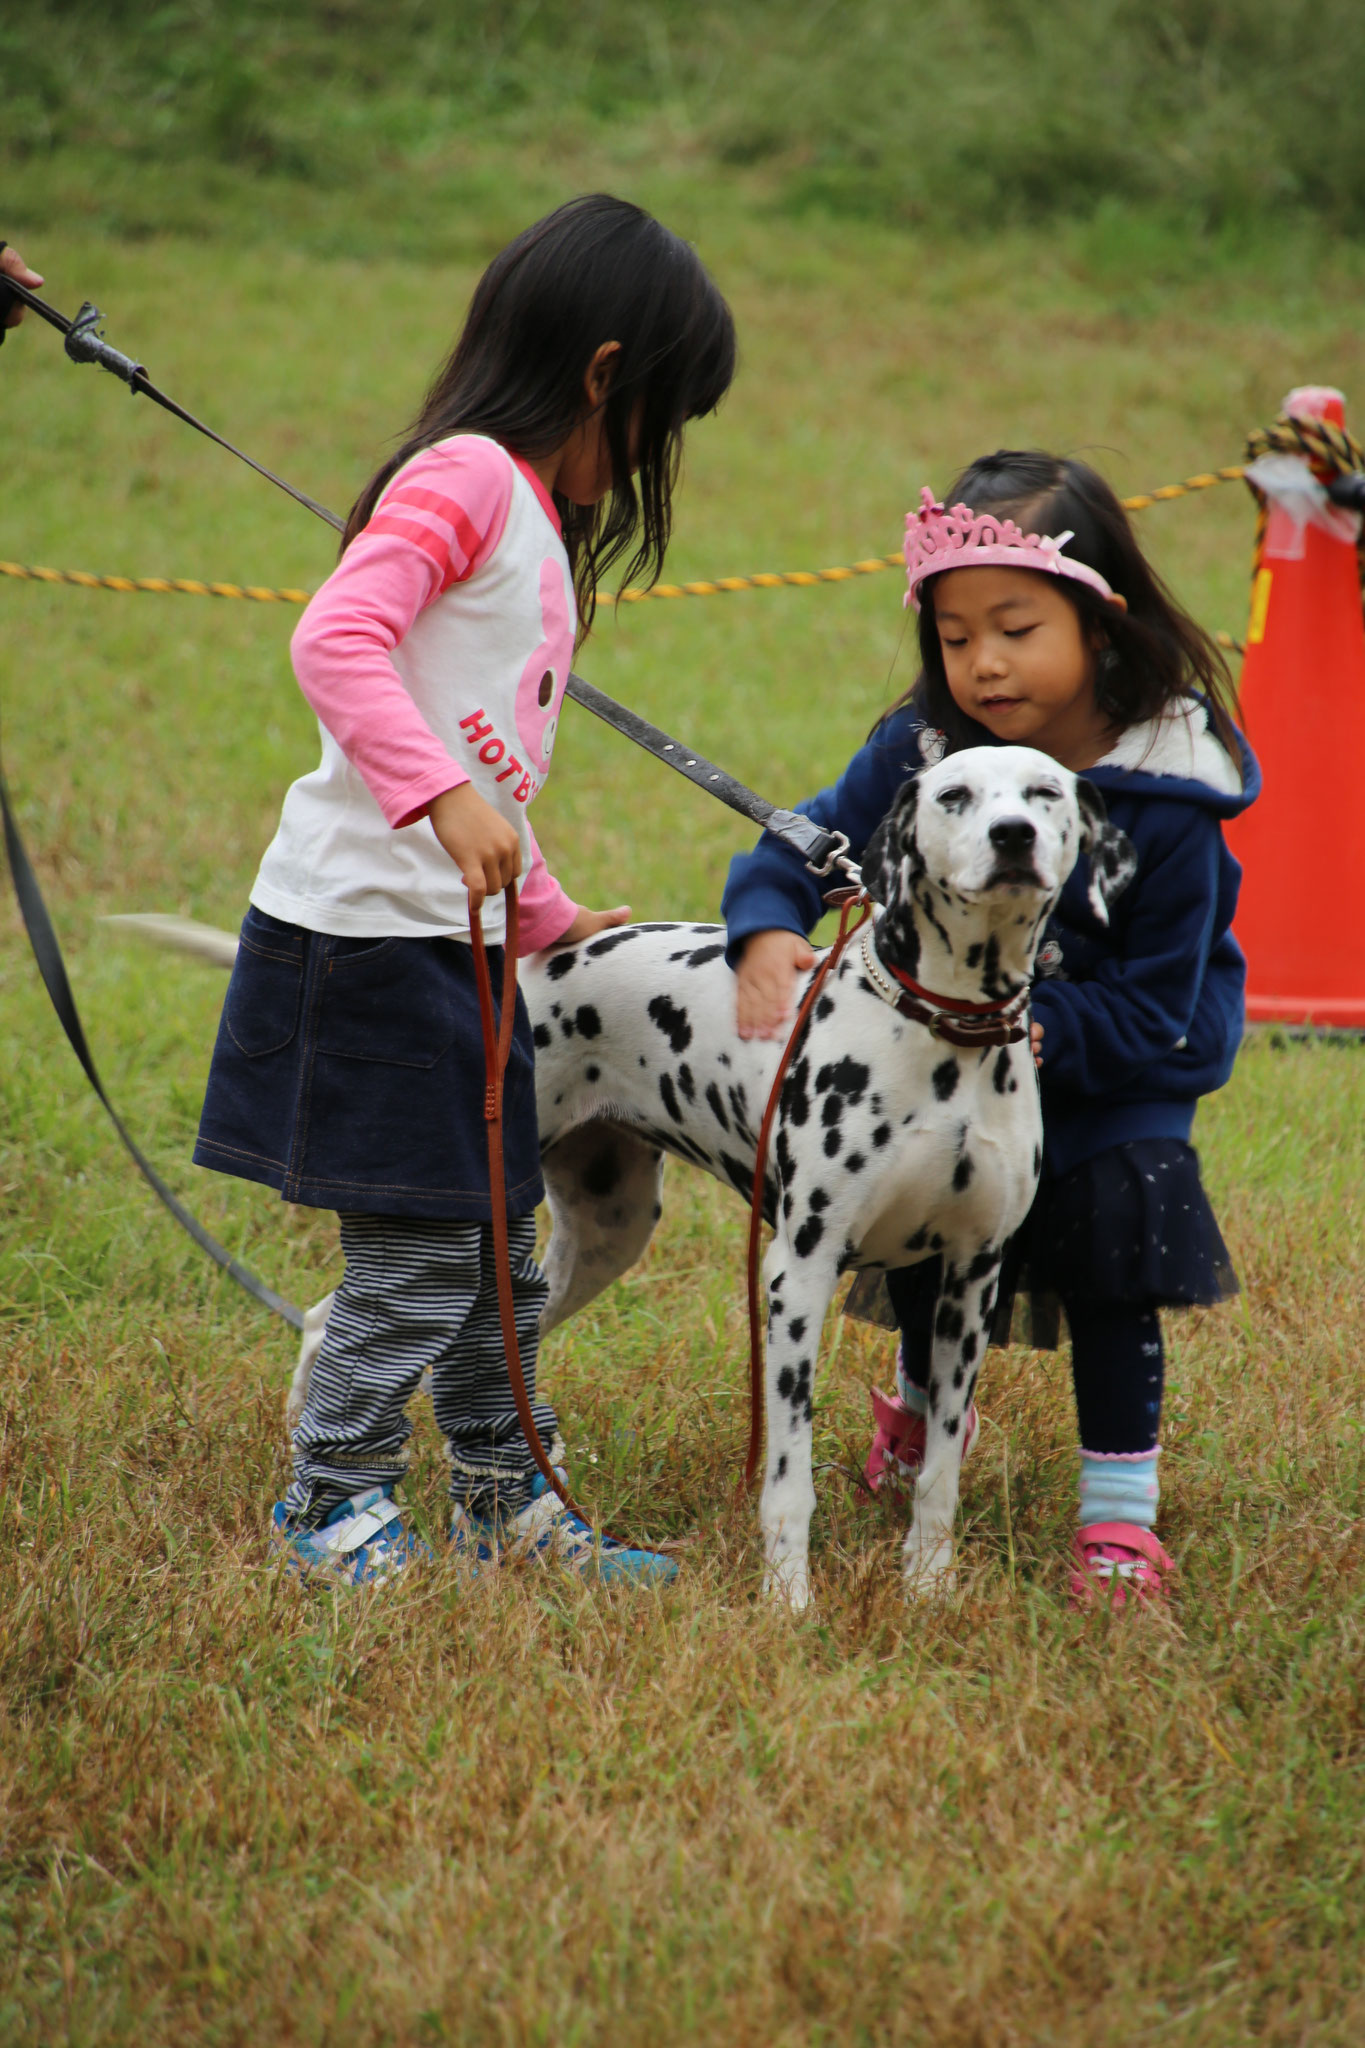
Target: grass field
<point>233,1811</point>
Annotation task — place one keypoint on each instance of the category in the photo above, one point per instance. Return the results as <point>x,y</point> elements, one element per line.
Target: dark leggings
<point>1117,1362</point>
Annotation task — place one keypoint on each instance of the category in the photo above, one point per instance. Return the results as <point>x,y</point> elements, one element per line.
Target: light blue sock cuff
<point>1119,1488</point>
<point>915,1398</point>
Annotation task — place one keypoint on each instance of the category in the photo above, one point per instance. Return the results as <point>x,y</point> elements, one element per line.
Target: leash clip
<point>85,343</point>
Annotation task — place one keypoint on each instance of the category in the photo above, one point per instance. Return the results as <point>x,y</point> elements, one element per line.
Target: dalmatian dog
<point>890,1143</point>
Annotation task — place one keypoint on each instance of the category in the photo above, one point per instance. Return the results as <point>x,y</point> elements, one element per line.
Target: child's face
<point>1019,662</point>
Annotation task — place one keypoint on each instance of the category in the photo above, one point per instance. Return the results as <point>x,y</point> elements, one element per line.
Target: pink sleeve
<point>434,527</point>
<point>545,912</point>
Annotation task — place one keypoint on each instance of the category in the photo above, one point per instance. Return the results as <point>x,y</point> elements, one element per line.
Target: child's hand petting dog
<point>588,923</point>
<point>765,982</point>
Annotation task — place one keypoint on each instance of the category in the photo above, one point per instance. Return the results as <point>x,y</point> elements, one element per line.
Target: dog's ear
<point>882,854</point>
<point>1113,863</point>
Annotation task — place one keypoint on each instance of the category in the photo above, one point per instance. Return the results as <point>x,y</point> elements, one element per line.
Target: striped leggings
<point>420,1293</point>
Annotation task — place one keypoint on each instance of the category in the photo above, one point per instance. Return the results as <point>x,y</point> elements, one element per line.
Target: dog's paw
<point>788,1585</point>
<point>929,1573</point>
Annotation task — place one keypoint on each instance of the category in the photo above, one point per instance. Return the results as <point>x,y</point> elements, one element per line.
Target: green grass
<point>232,1812</point>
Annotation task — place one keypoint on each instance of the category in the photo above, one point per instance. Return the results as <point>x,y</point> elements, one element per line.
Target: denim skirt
<point>349,1074</point>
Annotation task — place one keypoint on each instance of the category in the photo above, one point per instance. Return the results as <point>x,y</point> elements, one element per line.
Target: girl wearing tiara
<point>1064,639</point>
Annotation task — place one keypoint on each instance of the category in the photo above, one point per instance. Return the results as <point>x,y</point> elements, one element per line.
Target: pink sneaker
<point>1116,1562</point>
<point>898,1447</point>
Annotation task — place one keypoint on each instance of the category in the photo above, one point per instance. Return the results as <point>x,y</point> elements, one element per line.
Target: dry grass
<point>235,1811</point>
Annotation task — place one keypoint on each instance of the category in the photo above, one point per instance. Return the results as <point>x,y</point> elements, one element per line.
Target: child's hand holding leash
<point>765,982</point>
<point>483,846</point>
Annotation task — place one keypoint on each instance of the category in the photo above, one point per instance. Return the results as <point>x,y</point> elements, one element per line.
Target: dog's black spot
<point>933,1396</point>
<point>1037,1159</point>
<point>963,1171</point>
<point>935,1242</point>
<point>588,1021</point>
<point>782,1466</point>
<point>670,1097</point>
<point>795,1099</point>
<point>919,1240</point>
<point>854,1163</point>
<point>831,1109</point>
<point>808,1236</point>
<point>787,1204</point>
<point>796,1329</point>
<point>566,1026</point>
<point>705,953</point>
<point>984,1262</point>
<point>832,1142</point>
<point>658,1210</point>
<point>974,954</point>
<point>819,1200</point>
<point>559,966</point>
<point>945,1078</point>
<point>1014,1086</point>
<point>969,1347</point>
<point>957,1376</point>
<point>786,1380</point>
<point>672,1021</point>
<point>740,1176</point>
<point>1001,1074</point>
<point>882,1136</point>
<point>643,1061</point>
<point>948,1323</point>
<point>716,1106</point>
<point>824,1008</point>
<point>846,1077</point>
<point>592,1073</point>
<point>602,1173</point>
<point>786,1165</point>
<point>610,941</point>
<point>724,1059</point>
<point>541,1037</point>
<point>954,1286</point>
<point>686,1083</point>
<point>952,1425</point>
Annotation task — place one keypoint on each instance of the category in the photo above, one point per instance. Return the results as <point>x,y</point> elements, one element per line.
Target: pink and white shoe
<point>898,1446</point>
<point>1116,1562</point>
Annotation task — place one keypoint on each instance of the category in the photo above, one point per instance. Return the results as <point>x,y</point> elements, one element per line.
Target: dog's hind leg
<point>314,1330</point>
<point>961,1327</point>
<point>603,1182</point>
<point>799,1287</point>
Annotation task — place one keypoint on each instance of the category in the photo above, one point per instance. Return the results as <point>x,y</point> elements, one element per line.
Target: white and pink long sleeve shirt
<point>436,653</point>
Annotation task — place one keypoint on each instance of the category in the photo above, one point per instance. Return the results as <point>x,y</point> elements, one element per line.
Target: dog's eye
<point>1045,791</point>
<point>955,799</point>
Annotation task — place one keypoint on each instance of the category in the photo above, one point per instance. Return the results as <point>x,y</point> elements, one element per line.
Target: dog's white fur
<point>889,1145</point>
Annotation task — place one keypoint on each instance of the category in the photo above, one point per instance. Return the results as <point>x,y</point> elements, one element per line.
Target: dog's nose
<point>1013,835</point>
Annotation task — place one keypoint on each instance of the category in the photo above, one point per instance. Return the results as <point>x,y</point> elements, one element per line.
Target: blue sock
<point>915,1398</point>
<point>1119,1489</point>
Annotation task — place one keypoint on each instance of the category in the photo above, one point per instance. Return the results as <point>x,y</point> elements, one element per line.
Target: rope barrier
<point>718,586</point>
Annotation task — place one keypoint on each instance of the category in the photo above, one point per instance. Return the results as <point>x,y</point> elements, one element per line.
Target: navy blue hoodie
<point>1140,1018</point>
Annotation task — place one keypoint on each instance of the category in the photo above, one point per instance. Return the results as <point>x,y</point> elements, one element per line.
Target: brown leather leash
<point>847,901</point>
<point>497,1047</point>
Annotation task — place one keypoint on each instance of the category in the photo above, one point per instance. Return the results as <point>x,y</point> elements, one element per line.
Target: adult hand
<point>588,923</point>
<point>1035,1039</point>
<point>13,265</point>
<point>765,982</point>
<point>480,841</point>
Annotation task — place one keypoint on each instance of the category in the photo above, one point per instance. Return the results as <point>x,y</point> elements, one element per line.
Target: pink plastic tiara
<point>936,540</point>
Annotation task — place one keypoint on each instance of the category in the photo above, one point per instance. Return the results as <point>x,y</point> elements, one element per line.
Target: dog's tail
<point>181,935</point>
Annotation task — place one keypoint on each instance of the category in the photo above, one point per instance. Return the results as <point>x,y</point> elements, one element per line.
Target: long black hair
<point>1149,656</point>
<point>593,271</point>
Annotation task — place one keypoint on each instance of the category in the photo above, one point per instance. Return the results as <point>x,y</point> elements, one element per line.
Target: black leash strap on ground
<point>52,967</point>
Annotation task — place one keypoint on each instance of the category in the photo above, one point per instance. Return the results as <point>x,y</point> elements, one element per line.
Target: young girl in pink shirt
<point>349,1070</point>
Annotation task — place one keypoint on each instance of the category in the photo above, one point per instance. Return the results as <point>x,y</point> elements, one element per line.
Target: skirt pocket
<point>386,1001</point>
<point>261,1010</point>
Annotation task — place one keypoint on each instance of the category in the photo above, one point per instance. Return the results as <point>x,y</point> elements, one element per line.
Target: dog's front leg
<point>961,1325</point>
<point>798,1289</point>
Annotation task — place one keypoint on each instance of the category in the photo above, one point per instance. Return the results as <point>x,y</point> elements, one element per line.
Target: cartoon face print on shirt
<point>541,689</point>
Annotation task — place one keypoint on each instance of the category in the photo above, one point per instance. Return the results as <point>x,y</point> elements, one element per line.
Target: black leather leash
<point>85,343</point>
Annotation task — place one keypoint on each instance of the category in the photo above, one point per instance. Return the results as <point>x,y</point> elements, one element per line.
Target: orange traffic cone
<point>1302,844</point>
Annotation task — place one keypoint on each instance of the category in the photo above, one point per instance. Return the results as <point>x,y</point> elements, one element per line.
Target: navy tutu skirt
<point>349,1074</point>
<point>1131,1224</point>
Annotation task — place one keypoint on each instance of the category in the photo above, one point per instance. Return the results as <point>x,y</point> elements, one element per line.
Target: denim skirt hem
<point>348,1074</point>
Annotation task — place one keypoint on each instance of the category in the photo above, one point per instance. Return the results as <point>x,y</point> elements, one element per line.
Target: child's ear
<point>883,852</point>
<point>1113,863</point>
